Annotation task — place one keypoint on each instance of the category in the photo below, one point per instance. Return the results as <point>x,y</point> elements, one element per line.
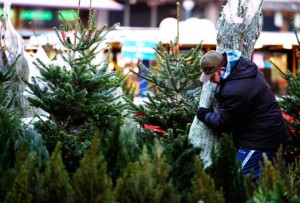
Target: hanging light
<point>278,19</point>
<point>188,6</point>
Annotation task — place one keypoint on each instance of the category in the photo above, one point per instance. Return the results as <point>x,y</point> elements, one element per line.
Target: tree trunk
<point>238,28</point>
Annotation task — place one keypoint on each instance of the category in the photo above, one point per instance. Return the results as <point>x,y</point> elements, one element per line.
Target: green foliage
<point>174,105</point>
<point>275,182</point>
<point>9,120</point>
<point>19,192</point>
<point>120,146</point>
<point>172,109</point>
<point>203,187</point>
<point>91,182</point>
<point>13,134</point>
<point>129,91</point>
<point>26,180</point>
<point>230,178</point>
<point>55,183</point>
<point>147,180</point>
<point>294,177</point>
<point>180,155</point>
<point>78,98</point>
<point>6,182</point>
<point>291,107</point>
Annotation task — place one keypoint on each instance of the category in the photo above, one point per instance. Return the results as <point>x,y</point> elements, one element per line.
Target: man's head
<point>210,63</point>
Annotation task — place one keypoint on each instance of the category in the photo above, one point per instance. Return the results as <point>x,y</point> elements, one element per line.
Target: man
<point>247,108</point>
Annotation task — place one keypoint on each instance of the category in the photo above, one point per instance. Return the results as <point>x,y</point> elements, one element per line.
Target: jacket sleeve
<point>233,108</point>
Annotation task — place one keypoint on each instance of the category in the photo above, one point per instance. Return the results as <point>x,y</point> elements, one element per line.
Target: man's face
<point>216,77</point>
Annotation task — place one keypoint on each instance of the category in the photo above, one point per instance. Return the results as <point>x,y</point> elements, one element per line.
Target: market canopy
<point>84,4</point>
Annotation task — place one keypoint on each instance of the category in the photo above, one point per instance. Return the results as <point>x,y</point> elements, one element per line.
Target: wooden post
<point>238,27</point>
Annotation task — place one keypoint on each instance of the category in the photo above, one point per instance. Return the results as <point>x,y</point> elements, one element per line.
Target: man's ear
<point>223,68</point>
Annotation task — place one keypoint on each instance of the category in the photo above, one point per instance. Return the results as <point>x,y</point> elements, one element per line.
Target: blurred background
<point>145,23</point>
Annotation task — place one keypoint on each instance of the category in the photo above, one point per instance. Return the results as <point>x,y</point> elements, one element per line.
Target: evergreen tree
<point>120,146</point>
<point>16,140</point>
<point>25,177</point>
<point>291,107</point>
<point>226,172</point>
<point>147,181</point>
<point>19,192</point>
<point>203,187</point>
<point>78,98</point>
<point>55,181</point>
<point>172,108</point>
<point>91,182</point>
<point>275,182</point>
<point>294,177</point>
<point>9,120</point>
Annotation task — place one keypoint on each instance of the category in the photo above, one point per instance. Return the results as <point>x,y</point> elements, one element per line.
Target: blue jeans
<point>251,159</point>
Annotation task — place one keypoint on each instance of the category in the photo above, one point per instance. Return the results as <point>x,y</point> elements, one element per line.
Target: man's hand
<point>201,112</point>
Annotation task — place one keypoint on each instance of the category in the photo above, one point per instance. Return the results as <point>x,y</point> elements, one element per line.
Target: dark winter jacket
<point>248,110</point>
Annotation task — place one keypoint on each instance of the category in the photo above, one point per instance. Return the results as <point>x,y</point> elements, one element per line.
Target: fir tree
<point>294,177</point>
<point>91,182</point>
<point>275,182</point>
<point>19,192</point>
<point>77,99</point>
<point>120,146</point>
<point>16,140</point>
<point>226,172</point>
<point>291,107</point>
<point>26,184</point>
<point>146,180</point>
<point>203,187</point>
<point>172,108</point>
<point>9,120</point>
<point>55,181</point>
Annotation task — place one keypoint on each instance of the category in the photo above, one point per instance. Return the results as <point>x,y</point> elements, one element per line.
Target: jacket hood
<point>243,69</point>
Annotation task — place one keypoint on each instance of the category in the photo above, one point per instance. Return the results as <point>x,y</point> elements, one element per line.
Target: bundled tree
<point>79,97</point>
<point>13,54</point>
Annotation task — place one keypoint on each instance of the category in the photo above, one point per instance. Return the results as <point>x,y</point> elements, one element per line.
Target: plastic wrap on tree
<point>14,50</point>
<point>200,135</point>
<point>3,66</point>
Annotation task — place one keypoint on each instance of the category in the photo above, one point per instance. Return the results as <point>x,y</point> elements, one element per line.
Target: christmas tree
<point>172,108</point>
<point>175,81</point>
<point>291,107</point>
<point>78,97</point>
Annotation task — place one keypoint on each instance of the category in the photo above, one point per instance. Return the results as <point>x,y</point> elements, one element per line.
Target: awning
<point>281,5</point>
<point>84,4</point>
